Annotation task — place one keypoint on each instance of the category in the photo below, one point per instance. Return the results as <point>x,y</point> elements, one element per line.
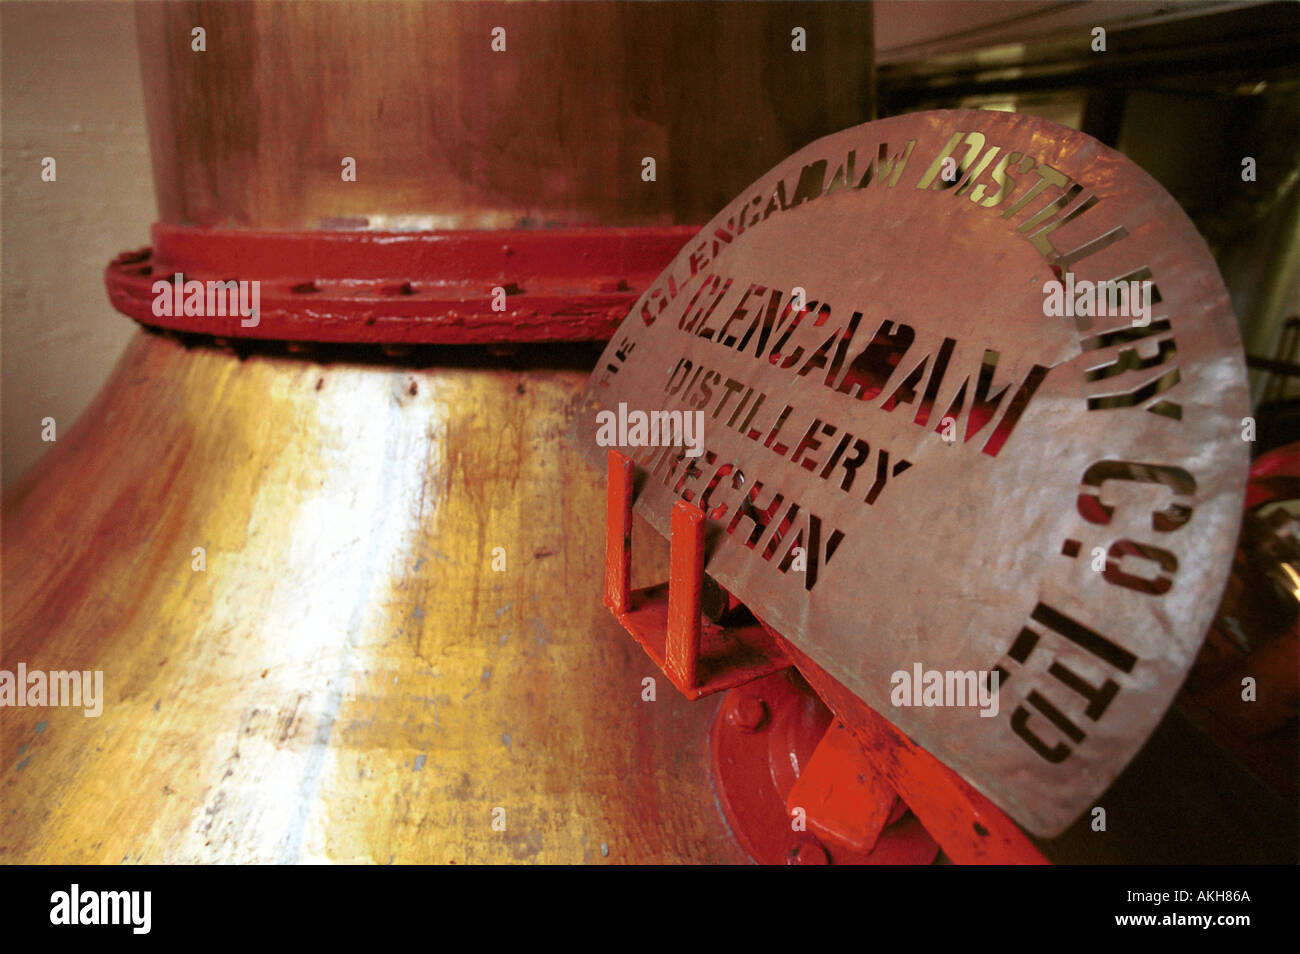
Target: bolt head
<point>747,713</point>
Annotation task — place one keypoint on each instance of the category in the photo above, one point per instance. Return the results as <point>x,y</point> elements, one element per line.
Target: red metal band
<point>401,287</point>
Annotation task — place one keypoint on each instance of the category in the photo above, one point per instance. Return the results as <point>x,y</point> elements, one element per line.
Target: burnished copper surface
<point>348,678</point>
<point>449,133</point>
<point>952,459</point>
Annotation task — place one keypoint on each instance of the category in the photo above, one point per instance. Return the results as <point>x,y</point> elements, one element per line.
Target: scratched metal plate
<point>1086,432</point>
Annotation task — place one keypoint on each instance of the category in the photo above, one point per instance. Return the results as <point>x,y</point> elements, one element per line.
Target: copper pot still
<point>346,603</point>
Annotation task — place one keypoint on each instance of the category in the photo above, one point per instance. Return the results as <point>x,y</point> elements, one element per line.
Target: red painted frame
<point>665,620</point>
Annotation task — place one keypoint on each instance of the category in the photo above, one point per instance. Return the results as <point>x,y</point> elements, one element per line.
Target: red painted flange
<point>403,287</point>
<point>762,738</point>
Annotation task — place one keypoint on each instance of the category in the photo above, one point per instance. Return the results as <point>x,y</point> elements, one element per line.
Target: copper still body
<point>347,604</point>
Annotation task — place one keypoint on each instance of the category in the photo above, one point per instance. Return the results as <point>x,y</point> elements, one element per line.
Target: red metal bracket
<point>969,827</point>
<point>775,746</point>
<point>796,788</point>
<point>699,659</point>
<point>404,287</point>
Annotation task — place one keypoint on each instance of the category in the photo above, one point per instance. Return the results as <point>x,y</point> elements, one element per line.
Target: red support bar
<point>668,627</point>
<point>686,580</point>
<point>698,658</point>
<point>848,802</point>
<point>618,534</point>
<point>969,827</point>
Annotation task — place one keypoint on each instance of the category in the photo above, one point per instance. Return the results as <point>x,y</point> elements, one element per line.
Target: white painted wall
<point>69,88</point>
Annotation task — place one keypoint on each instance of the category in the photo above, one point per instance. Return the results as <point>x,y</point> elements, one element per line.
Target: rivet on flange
<point>747,713</point>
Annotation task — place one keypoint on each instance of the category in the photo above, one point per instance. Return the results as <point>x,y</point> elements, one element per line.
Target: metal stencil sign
<point>962,397</point>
